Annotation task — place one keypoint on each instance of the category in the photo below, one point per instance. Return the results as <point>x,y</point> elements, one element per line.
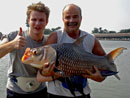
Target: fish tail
<point>112,56</point>
<point>115,53</point>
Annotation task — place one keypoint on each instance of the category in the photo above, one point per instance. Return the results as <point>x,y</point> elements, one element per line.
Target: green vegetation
<point>105,31</point>
<point>125,31</point>
<point>49,31</point>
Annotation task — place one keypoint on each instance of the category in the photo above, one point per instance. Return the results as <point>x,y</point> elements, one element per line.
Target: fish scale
<point>72,56</point>
<point>72,60</point>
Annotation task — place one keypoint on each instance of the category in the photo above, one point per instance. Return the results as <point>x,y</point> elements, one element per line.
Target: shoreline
<point>114,36</point>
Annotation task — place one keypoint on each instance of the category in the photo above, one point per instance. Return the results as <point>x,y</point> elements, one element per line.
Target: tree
<point>47,31</point>
<point>112,31</point>
<point>57,28</point>
<point>1,35</point>
<point>105,31</point>
<point>95,30</point>
<point>125,31</point>
<point>100,30</point>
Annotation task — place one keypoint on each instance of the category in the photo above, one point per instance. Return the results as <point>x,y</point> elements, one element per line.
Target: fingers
<point>46,65</point>
<point>96,76</point>
<point>48,69</point>
<point>96,69</point>
<point>86,76</point>
<point>88,72</point>
<point>19,41</point>
<point>20,31</point>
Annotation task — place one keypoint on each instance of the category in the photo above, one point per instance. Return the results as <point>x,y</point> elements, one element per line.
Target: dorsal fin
<point>113,54</point>
<point>80,40</point>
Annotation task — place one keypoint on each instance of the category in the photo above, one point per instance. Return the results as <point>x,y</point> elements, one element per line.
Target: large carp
<point>71,59</point>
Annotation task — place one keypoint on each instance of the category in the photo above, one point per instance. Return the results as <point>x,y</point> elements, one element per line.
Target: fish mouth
<point>26,55</point>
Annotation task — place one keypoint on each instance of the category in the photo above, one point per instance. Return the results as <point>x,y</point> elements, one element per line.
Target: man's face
<point>37,22</point>
<point>72,19</point>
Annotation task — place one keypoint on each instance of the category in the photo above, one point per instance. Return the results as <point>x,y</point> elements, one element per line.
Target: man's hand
<point>94,76</point>
<point>19,41</point>
<point>47,69</point>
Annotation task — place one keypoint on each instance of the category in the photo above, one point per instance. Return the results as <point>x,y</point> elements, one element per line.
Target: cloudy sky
<point>108,14</point>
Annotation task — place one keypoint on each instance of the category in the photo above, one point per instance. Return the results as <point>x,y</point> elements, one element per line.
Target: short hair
<point>40,7</point>
<point>75,6</point>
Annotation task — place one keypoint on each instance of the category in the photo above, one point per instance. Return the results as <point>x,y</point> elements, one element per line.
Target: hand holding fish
<point>72,61</point>
<point>96,76</point>
<point>47,70</point>
<point>19,40</point>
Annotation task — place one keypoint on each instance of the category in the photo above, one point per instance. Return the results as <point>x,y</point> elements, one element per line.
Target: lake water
<point>109,88</point>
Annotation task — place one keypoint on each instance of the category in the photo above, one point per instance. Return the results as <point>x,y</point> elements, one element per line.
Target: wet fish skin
<point>71,59</point>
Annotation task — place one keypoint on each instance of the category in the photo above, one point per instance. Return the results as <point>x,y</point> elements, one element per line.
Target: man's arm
<point>97,50</point>
<point>5,47</point>
<point>52,38</point>
<point>18,43</point>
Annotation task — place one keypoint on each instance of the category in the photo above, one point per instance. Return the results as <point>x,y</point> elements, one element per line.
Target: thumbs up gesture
<point>19,41</point>
<point>20,31</point>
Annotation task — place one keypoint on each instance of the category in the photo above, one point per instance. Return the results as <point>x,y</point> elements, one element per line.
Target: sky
<point>108,14</point>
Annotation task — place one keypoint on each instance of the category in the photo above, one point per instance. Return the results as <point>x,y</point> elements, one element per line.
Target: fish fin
<point>79,87</point>
<point>77,82</point>
<point>117,76</point>
<point>53,79</point>
<point>80,40</point>
<point>62,79</point>
<point>113,54</point>
<point>66,81</point>
<point>70,86</point>
<point>107,72</point>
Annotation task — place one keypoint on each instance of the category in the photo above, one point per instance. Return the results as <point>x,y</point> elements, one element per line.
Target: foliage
<point>125,31</point>
<point>48,31</point>
<point>100,30</point>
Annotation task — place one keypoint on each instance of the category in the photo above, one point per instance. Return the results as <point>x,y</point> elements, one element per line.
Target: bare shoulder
<point>52,38</point>
<point>98,49</point>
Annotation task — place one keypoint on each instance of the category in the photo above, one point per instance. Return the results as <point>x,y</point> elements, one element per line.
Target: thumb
<point>95,69</point>
<point>46,65</point>
<point>20,31</point>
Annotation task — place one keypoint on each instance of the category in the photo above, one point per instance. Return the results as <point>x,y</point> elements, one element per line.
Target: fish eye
<point>35,52</point>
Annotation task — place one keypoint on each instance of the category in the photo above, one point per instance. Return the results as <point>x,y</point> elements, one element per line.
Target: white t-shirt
<point>57,87</point>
